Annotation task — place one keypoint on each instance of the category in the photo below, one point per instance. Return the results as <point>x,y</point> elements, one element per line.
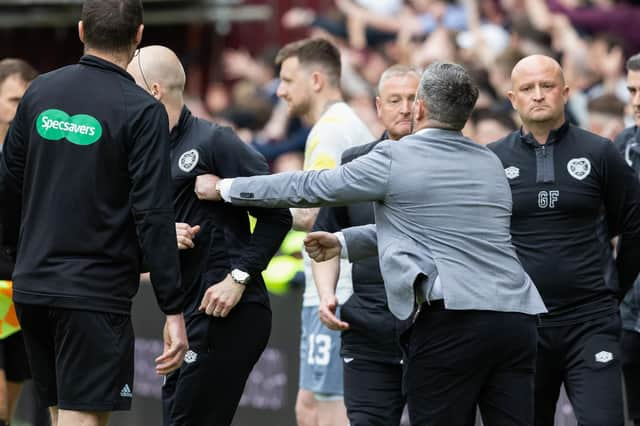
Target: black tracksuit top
<point>559,192</point>
<point>87,160</point>
<point>225,241</point>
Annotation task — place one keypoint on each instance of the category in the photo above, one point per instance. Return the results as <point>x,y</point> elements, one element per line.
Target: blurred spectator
<point>490,125</point>
<point>606,116</point>
<point>608,16</point>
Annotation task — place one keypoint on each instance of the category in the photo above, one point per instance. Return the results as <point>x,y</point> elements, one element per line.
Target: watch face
<point>239,276</point>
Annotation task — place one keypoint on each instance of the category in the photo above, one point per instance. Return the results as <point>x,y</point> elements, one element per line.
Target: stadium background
<point>43,32</point>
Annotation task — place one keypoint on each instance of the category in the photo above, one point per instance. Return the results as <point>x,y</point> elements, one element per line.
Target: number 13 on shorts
<point>319,352</point>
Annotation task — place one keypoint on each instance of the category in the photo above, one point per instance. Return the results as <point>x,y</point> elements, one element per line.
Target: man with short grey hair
<point>372,368</point>
<point>443,207</point>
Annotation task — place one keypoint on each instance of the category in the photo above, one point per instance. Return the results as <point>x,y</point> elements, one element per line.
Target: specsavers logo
<point>80,129</point>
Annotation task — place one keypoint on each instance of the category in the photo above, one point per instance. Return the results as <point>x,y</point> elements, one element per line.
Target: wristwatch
<point>240,277</point>
<point>219,191</point>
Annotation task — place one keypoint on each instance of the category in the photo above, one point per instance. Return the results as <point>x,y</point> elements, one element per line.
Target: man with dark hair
<point>316,51</point>
<point>442,209</point>
<point>562,178</point>
<point>15,76</point>
<point>372,366</point>
<point>628,144</point>
<point>86,159</point>
<point>310,85</point>
<point>226,302</point>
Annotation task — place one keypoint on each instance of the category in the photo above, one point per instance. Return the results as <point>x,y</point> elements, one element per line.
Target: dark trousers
<point>584,357</point>
<point>457,360</point>
<point>373,392</point>
<point>630,356</point>
<point>207,388</point>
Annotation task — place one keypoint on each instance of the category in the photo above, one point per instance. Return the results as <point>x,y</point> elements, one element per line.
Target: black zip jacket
<point>628,144</point>
<point>559,191</point>
<point>225,241</point>
<point>87,160</point>
<point>373,332</point>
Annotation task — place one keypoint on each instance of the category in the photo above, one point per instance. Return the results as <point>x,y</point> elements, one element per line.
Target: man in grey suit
<point>443,208</point>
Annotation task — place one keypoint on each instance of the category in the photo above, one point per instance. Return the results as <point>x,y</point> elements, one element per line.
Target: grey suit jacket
<point>442,207</point>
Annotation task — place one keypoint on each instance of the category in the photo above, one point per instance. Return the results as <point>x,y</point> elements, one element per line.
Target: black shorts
<point>80,360</point>
<point>13,358</point>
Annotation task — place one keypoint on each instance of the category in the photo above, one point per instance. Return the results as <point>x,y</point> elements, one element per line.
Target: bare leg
<point>54,415</point>
<point>4,398</point>
<point>306,408</point>
<point>83,418</point>
<point>332,413</point>
<point>13,392</point>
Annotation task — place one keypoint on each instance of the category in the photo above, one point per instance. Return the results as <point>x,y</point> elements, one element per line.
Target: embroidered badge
<point>190,357</point>
<point>188,160</point>
<point>579,168</point>
<point>512,172</point>
<point>604,357</point>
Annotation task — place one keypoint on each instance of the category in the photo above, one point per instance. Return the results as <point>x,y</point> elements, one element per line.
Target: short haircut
<point>606,104</point>
<point>633,63</point>
<point>505,119</point>
<point>111,25</point>
<point>398,70</point>
<point>449,94</point>
<point>13,66</point>
<point>317,51</point>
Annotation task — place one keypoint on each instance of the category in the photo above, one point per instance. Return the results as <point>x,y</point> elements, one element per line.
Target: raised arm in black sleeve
<point>151,200</point>
<point>233,158</point>
<point>622,204</point>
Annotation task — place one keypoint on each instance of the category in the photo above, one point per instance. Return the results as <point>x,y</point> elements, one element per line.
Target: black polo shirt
<point>559,191</point>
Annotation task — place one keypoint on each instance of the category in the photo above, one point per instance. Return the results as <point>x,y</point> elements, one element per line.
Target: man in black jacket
<point>227,306</point>
<point>86,158</point>
<point>371,353</point>
<point>628,143</point>
<point>561,178</point>
<point>15,76</point>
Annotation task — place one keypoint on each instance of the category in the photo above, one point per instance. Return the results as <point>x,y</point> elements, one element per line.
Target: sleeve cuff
<point>225,188</point>
<point>344,253</point>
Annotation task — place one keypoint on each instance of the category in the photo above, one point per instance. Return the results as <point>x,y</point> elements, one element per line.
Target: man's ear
<point>317,81</point>
<point>512,99</point>
<point>156,91</point>
<point>81,31</point>
<point>378,106</point>
<point>139,34</point>
<point>419,110</point>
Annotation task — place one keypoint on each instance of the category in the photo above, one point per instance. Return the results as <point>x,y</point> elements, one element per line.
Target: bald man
<point>562,178</point>
<point>226,307</point>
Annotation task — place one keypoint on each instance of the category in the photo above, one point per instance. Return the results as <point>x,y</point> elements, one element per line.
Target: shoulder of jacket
<point>354,152</point>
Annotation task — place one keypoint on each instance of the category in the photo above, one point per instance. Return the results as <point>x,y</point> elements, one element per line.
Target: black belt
<point>433,305</point>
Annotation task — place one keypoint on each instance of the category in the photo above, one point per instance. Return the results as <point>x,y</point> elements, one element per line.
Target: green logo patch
<point>81,129</point>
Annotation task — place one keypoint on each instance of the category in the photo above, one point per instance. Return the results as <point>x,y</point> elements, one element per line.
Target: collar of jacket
<point>555,136</point>
<point>94,61</point>
<point>181,127</point>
